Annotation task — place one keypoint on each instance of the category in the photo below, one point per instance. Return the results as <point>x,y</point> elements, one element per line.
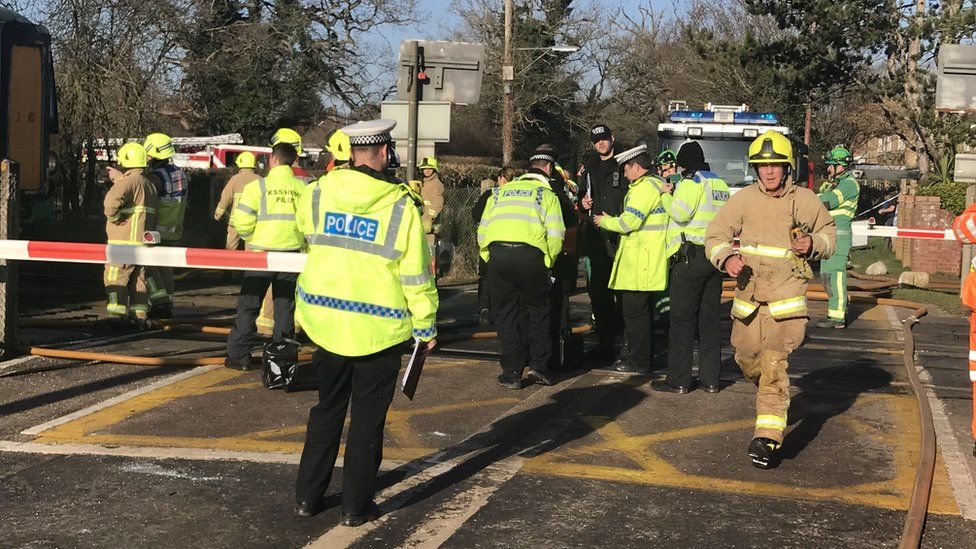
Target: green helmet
<point>667,156</point>
<point>839,156</point>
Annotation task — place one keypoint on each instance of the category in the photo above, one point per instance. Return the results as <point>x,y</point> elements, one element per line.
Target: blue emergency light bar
<point>764,118</point>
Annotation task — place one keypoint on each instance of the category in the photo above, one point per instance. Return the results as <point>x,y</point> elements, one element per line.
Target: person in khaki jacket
<point>231,195</point>
<point>130,210</point>
<point>432,192</point>
<point>780,227</point>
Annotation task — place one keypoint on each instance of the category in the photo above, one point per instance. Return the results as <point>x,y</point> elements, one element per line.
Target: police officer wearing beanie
<point>602,189</point>
<point>696,285</point>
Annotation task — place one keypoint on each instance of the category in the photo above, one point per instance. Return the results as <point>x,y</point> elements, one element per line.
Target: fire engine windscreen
<point>728,158</point>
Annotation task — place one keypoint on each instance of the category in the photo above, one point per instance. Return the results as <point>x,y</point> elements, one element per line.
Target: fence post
<point>9,229</point>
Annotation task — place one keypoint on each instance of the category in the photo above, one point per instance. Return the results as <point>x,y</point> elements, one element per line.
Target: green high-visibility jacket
<point>265,214</point>
<point>524,210</point>
<point>367,284</point>
<point>641,263</point>
<point>692,206</point>
<point>840,195</point>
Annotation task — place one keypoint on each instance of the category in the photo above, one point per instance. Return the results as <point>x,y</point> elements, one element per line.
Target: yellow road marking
<point>649,467</point>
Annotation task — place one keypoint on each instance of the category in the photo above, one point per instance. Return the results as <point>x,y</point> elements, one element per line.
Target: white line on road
<point>444,521</point>
<point>38,429</point>
<point>192,454</point>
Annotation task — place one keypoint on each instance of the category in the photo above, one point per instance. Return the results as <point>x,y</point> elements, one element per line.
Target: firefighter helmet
<point>429,163</point>
<point>839,156</point>
<point>339,146</point>
<point>289,136</point>
<point>159,146</point>
<point>132,155</point>
<point>771,147</point>
<point>667,156</point>
<point>246,160</point>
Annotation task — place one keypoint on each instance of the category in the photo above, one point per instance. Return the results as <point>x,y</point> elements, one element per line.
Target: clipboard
<point>414,368</point>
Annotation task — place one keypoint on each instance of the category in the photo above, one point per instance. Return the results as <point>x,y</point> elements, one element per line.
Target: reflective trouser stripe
<point>769,421</point>
<point>837,302</point>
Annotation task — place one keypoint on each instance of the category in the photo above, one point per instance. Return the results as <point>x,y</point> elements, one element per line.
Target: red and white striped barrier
<point>195,258</point>
<point>865,230</point>
<point>280,262</point>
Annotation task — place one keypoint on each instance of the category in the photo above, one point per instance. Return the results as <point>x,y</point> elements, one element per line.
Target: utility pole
<point>806,129</point>
<point>413,107</point>
<point>508,76</point>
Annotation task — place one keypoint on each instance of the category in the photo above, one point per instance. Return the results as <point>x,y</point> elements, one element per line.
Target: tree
<point>882,49</point>
<point>546,85</point>
<point>251,66</point>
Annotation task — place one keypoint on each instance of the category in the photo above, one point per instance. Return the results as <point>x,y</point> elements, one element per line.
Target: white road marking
<point>444,521</point>
<point>960,477</point>
<point>38,429</point>
<point>190,454</point>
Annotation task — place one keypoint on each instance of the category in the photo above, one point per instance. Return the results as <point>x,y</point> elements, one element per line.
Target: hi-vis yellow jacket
<point>641,263</point>
<point>524,210</point>
<point>763,224</point>
<point>692,206</point>
<point>367,284</point>
<point>265,214</point>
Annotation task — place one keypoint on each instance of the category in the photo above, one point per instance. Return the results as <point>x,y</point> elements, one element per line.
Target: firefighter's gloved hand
<point>742,279</point>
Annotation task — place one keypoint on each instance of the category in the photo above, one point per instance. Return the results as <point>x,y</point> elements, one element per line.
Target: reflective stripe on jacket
<point>692,206</point>
<point>130,208</point>
<point>640,263</point>
<point>524,210</point>
<point>367,283</point>
<point>763,223</point>
<point>841,196</point>
<point>230,196</point>
<point>172,188</point>
<point>265,215</point>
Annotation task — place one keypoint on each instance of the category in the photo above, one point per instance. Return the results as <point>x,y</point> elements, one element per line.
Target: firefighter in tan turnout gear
<point>231,196</point>
<point>780,227</point>
<point>130,210</point>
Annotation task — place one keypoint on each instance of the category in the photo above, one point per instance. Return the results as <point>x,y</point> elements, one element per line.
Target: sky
<point>440,21</point>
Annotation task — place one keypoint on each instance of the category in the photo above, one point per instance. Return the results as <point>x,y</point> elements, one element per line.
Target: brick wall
<point>931,256</point>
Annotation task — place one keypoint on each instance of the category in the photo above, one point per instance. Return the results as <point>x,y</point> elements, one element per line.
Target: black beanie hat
<point>691,157</point>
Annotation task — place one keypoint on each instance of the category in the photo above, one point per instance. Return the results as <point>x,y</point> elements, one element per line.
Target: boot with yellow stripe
<point>764,452</point>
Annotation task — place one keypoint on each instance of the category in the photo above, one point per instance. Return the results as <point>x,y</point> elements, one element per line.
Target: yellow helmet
<point>771,147</point>
<point>429,162</point>
<point>159,146</point>
<point>339,146</point>
<point>246,160</point>
<point>132,155</point>
<point>287,135</point>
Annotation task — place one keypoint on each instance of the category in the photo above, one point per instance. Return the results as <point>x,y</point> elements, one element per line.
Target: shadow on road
<point>824,395</point>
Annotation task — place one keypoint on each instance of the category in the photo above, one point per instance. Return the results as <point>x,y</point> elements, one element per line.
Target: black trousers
<point>518,284</point>
<point>255,284</point>
<point>696,297</point>
<point>367,383</point>
<point>638,324</point>
<point>564,270</point>
<point>600,248</point>
<point>484,302</point>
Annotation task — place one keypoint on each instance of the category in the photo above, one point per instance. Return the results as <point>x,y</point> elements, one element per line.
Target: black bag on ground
<point>282,370</point>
